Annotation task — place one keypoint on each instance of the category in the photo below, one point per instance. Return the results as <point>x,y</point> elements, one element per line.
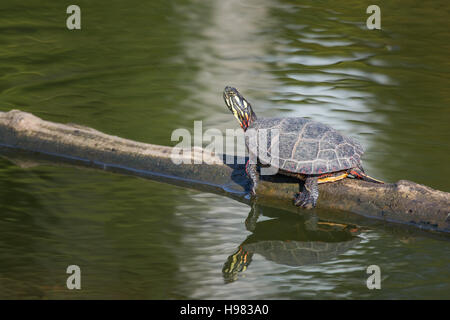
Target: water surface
<point>142,69</point>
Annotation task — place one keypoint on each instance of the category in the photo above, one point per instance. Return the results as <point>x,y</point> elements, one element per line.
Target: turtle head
<point>241,109</point>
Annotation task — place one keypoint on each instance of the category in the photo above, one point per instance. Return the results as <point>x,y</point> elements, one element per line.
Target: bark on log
<point>402,202</point>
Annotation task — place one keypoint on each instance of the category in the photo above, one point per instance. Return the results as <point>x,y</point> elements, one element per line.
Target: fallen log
<point>402,202</point>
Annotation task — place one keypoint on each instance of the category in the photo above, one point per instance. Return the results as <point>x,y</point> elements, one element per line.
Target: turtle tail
<point>357,173</point>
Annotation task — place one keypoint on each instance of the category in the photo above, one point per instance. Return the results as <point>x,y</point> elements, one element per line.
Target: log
<point>403,202</point>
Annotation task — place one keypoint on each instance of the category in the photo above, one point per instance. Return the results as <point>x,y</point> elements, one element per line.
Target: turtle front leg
<point>252,219</point>
<point>308,197</point>
<point>252,172</point>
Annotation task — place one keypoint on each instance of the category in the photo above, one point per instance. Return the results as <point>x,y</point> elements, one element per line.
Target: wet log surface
<point>22,134</point>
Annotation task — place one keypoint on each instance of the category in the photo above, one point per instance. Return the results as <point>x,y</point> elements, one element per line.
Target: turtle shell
<point>304,146</point>
<point>298,253</point>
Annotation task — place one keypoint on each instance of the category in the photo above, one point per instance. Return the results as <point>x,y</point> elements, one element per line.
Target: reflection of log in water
<point>292,242</point>
<point>404,201</point>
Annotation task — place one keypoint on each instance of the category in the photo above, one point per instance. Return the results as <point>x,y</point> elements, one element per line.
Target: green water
<point>143,69</point>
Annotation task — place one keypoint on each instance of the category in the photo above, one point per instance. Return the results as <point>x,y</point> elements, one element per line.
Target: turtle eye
<point>227,101</point>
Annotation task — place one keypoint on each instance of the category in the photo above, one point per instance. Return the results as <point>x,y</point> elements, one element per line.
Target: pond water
<point>140,70</point>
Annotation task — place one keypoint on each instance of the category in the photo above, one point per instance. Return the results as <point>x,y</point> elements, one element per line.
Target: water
<point>140,70</point>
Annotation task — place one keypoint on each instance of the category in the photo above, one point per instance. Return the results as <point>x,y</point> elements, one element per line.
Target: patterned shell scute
<point>305,146</point>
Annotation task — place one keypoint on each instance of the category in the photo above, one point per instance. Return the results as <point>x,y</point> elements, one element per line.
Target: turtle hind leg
<point>308,197</point>
<point>358,173</point>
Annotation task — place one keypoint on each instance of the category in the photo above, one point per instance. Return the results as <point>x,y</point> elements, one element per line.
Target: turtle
<point>289,241</point>
<point>310,151</point>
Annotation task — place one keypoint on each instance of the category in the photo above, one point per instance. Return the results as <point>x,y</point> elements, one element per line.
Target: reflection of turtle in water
<point>288,241</point>
<point>307,150</point>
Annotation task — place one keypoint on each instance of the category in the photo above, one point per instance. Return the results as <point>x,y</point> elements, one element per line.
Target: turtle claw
<point>253,192</point>
<point>304,200</point>
<point>251,195</point>
<point>308,197</point>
